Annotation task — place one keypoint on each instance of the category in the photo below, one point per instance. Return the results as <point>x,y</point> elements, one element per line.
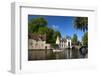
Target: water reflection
<point>49,54</point>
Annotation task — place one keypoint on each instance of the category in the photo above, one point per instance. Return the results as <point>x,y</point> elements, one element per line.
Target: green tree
<point>85,39</point>
<point>49,35</point>
<point>42,30</point>
<point>39,26</point>
<point>35,23</point>
<point>81,23</point>
<point>74,39</point>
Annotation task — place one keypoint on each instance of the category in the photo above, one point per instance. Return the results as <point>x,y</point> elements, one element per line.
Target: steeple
<point>58,40</point>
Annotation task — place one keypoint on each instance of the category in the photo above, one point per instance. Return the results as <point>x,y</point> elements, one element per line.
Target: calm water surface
<point>50,55</point>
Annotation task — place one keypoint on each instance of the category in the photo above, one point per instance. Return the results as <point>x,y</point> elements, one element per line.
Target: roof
<point>37,37</point>
<point>63,40</point>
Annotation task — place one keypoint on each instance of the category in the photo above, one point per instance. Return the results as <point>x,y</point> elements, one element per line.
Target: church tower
<point>58,40</point>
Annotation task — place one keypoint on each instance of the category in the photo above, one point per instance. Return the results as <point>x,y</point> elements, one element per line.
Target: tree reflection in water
<point>50,55</point>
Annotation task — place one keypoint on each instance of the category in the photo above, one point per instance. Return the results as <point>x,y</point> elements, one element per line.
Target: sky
<point>63,24</point>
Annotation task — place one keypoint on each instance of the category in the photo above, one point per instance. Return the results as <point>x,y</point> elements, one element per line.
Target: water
<point>50,55</point>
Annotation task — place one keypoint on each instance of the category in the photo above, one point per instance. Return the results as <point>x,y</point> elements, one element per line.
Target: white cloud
<point>55,27</point>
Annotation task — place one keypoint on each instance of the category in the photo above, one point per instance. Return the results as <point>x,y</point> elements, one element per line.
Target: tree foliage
<point>74,39</point>
<point>81,23</point>
<point>39,26</point>
<point>85,39</point>
<point>35,23</point>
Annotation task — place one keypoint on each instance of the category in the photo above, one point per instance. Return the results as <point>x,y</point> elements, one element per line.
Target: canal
<point>43,54</point>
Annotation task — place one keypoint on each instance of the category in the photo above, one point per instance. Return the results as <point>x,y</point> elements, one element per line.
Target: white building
<point>64,42</point>
<point>37,42</point>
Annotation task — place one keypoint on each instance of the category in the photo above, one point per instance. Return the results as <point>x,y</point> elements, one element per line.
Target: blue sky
<point>64,24</point>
